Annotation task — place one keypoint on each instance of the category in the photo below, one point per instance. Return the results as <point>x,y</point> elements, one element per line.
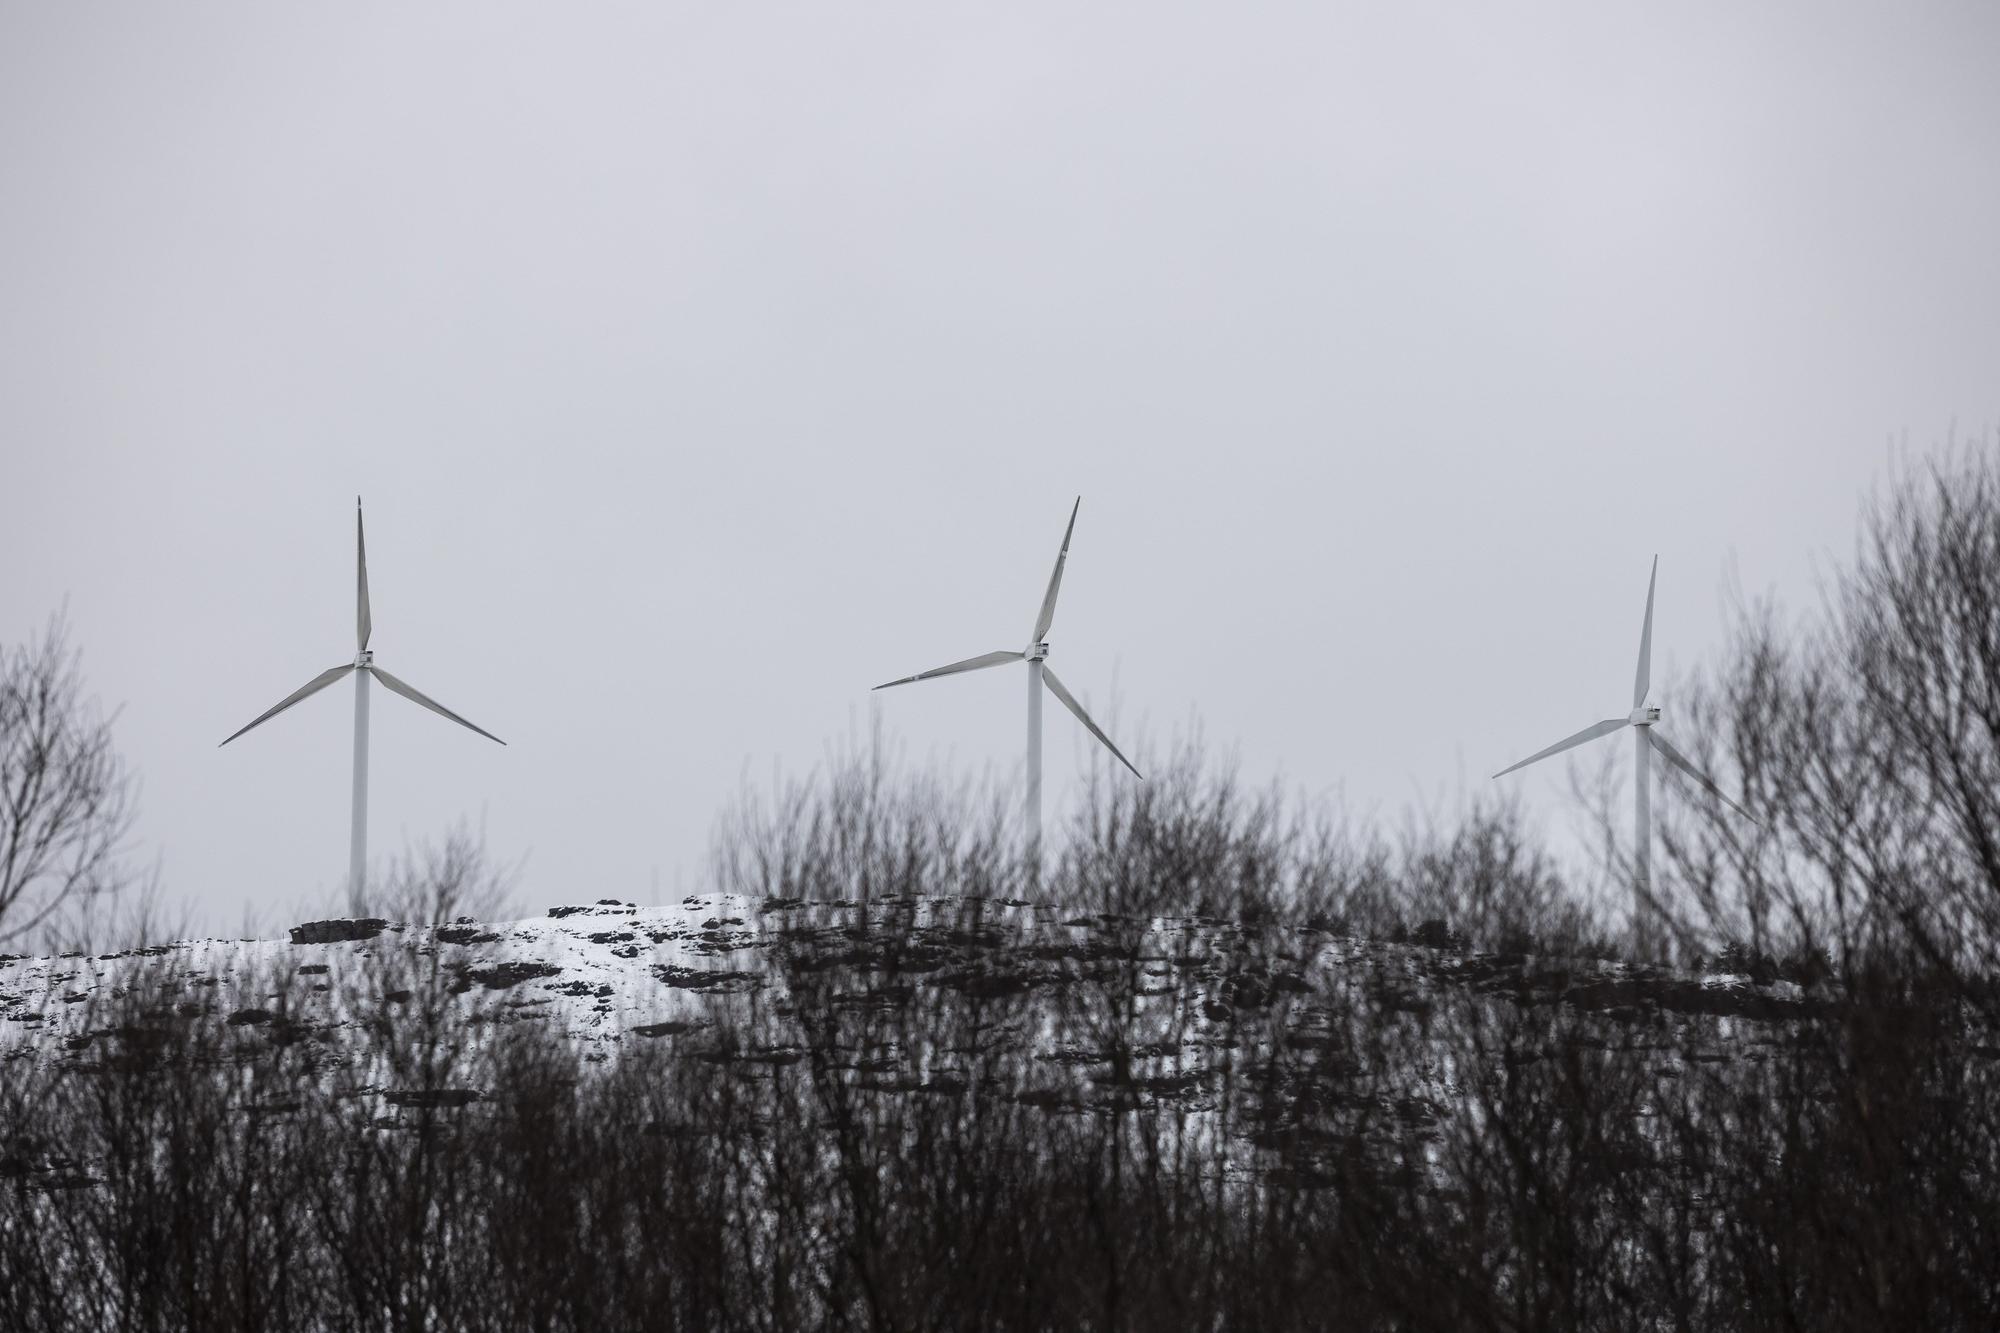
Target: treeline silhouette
<point>1225,1062</point>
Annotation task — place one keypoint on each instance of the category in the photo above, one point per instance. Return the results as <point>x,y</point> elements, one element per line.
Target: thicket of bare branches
<point>1266,1069</point>
<point>1218,1100</point>
<point>1867,739</point>
<point>432,883</point>
<point>67,800</point>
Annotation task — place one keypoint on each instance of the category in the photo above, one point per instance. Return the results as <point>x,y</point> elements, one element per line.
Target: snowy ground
<point>913,995</point>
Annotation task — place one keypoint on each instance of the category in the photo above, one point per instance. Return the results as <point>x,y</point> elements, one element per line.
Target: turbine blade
<point>1686,765</point>
<point>969,664</point>
<point>1642,680</point>
<point>313,686</point>
<point>1069,702</point>
<point>418,696</point>
<point>1591,733</point>
<point>364,624</point>
<point>1048,613</point>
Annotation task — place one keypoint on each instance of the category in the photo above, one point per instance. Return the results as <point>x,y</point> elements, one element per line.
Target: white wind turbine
<point>1036,656</point>
<point>1647,738</point>
<point>363,666</point>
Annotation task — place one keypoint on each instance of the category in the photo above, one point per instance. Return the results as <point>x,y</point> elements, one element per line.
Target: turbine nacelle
<point>1646,717</point>
<point>364,665</point>
<point>364,660</point>
<point>1035,653</point>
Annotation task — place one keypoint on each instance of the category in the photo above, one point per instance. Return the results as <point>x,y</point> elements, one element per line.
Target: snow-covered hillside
<point>1109,1009</point>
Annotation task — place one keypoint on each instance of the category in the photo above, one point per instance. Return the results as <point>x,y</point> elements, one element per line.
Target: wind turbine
<point>363,666</point>
<point>1036,656</point>
<point>1644,722</point>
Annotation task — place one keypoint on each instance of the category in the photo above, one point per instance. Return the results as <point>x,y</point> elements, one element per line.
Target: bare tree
<point>1868,738</point>
<point>433,883</point>
<point>66,797</point>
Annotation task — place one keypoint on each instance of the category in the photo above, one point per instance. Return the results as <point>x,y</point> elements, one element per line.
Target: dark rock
<point>993,983</point>
<point>1300,1178</point>
<point>285,1032</point>
<point>313,969</point>
<point>335,932</point>
<point>1244,992</point>
<point>892,1083</point>
<point>1436,933</point>
<point>250,1017</point>
<point>1160,1085</point>
<point>133,1037</point>
<point>775,1056</point>
<point>667,1029</point>
<point>602,907</point>
<point>502,975</point>
<point>1397,1000</point>
<point>726,982</point>
<point>431,1098</point>
<point>884,999</point>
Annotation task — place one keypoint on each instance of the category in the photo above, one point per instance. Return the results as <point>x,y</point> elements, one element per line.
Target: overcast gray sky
<point>703,365</point>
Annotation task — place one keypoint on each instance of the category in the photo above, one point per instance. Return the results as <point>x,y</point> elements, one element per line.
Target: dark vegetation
<point>1244,1068</point>
<point>67,799</point>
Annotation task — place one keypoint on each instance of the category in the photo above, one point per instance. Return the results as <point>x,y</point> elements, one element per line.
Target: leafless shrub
<point>66,799</point>
<point>434,883</point>
<point>1223,1063</point>
<point>1867,740</point>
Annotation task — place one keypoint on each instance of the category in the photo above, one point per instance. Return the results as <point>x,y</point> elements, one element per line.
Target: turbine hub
<point>364,658</point>
<point>1644,716</point>
<point>1037,651</point>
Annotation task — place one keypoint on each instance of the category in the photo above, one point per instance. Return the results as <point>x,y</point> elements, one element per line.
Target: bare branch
<point>67,801</point>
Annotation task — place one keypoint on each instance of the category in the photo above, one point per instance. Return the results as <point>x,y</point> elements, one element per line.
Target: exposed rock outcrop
<point>339,930</point>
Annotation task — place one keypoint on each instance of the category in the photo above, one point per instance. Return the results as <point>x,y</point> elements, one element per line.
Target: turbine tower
<point>1644,722</point>
<point>1036,656</point>
<point>363,666</point>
